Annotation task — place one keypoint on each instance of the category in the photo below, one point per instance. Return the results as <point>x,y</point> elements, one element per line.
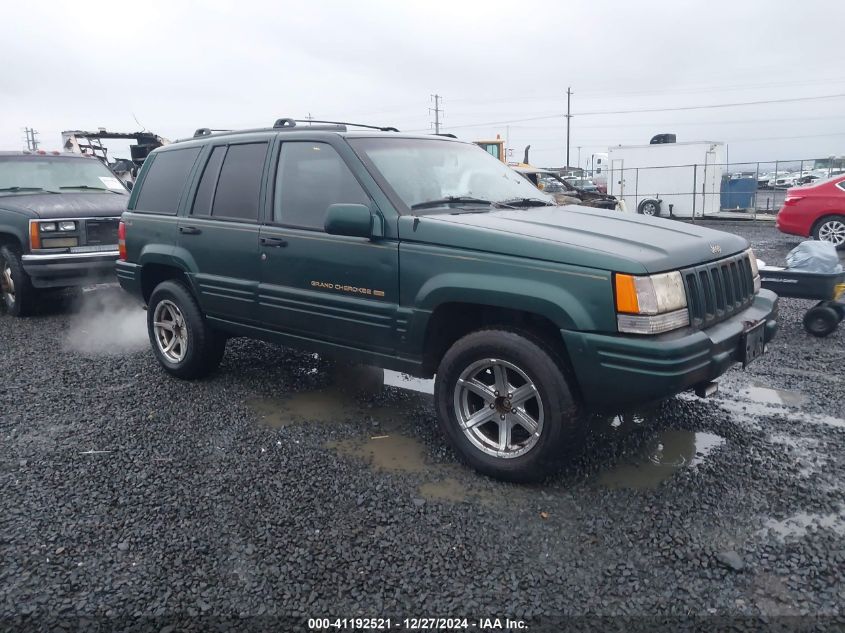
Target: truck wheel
<point>185,345</point>
<point>831,229</point>
<point>821,320</point>
<point>18,295</point>
<point>504,405</point>
<point>649,207</point>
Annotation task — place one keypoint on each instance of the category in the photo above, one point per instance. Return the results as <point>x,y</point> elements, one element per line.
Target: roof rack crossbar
<point>206,131</point>
<point>363,125</point>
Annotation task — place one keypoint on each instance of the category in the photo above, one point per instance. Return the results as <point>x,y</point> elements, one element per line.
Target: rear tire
<point>649,207</point>
<point>183,342</point>
<point>831,229</point>
<point>821,320</point>
<point>17,294</point>
<point>498,379</point>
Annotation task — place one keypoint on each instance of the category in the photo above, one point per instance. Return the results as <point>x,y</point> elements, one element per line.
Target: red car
<point>816,211</point>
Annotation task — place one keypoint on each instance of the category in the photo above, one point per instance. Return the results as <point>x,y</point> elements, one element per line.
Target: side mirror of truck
<point>354,220</point>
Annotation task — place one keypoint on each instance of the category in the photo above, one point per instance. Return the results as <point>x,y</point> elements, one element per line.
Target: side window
<point>310,177</point>
<point>239,184</point>
<point>165,181</point>
<point>841,185</point>
<point>205,191</point>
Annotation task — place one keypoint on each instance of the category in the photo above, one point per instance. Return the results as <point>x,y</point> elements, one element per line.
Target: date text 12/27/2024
<point>416,624</point>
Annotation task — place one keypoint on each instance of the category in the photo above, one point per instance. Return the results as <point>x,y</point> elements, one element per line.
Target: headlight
<point>67,226</point>
<point>755,270</point>
<point>47,226</point>
<point>650,304</point>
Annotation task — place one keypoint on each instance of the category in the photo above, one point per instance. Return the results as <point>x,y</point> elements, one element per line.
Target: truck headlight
<point>67,225</point>
<point>755,270</point>
<point>650,304</point>
<point>47,227</point>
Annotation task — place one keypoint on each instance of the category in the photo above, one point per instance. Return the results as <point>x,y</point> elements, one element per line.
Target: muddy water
<point>763,394</point>
<point>660,458</point>
<point>798,525</point>
<point>346,397</point>
<point>390,452</point>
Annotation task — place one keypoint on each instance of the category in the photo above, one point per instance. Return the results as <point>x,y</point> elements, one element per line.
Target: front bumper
<point>614,370</point>
<point>69,269</point>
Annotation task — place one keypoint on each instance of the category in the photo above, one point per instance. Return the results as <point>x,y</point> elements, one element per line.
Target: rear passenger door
<point>220,231</point>
<point>325,287</point>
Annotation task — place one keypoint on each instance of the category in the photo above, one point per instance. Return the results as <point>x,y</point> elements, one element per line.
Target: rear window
<point>165,181</point>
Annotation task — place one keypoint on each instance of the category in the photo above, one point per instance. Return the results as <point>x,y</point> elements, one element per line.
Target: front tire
<point>504,405</point>
<point>17,294</point>
<point>183,342</point>
<point>831,229</point>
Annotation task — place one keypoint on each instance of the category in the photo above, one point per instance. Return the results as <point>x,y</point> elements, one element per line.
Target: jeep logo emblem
<point>716,249</point>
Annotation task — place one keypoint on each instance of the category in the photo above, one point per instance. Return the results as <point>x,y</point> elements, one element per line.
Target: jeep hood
<point>65,204</point>
<point>576,235</point>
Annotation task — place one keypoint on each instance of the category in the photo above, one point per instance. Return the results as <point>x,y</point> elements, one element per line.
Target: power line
<point>716,105</point>
<point>673,109</point>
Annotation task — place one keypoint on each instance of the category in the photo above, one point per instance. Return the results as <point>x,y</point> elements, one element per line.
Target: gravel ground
<point>289,486</point>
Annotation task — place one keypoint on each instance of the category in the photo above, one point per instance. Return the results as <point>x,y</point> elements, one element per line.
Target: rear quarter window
<point>165,181</point>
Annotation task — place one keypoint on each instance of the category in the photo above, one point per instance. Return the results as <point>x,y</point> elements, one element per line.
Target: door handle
<point>189,230</point>
<point>273,241</point>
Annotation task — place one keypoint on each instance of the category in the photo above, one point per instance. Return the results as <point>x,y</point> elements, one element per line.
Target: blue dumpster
<point>738,193</point>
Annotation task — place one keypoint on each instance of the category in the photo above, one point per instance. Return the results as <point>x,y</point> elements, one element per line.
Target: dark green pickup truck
<point>426,255</point>
<point>58,224</point>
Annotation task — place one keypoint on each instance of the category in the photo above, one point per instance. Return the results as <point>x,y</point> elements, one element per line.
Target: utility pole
<point>568,117</point>
<point>309,118</point>
<point>31,140</point>
<point>579,157</point>
<point>436,109</point>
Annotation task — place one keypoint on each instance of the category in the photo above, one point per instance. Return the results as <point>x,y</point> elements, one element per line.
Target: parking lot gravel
<point>290,486</point>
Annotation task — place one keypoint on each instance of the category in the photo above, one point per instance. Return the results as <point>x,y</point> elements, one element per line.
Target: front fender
<point>582,304</point>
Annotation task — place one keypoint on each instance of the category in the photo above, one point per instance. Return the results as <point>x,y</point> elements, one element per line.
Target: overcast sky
<point>500,66</point>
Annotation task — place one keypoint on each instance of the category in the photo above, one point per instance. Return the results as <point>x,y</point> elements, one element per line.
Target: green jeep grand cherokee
<point>426,255</point>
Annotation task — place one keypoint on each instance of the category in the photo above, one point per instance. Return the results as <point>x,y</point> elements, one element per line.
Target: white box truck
<point>650,178</point>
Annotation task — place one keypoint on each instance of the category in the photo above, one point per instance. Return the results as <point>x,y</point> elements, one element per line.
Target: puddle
<point>798,525</point>
<point>660,458</point>
<point>763,394</point>
<point>445,490</point>
<point>345,398</point>
<point>389,452</point>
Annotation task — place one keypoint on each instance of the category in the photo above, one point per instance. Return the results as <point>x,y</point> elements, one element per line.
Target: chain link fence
<point>713,189</point>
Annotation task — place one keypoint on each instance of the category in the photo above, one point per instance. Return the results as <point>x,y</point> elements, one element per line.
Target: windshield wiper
<point>528,202</point>
<point>27,189</point>
<point>449,200</point>
<point>90,188</point>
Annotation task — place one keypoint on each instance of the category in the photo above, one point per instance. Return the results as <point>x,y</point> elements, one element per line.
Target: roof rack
<point>207,131</point>
<point>292,123</point>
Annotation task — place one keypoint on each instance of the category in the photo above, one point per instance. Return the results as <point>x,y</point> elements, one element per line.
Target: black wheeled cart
<point>827,288</point>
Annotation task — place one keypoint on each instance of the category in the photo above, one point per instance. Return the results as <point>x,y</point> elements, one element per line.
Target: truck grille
<point>718,290</point>
<point>101,231</point>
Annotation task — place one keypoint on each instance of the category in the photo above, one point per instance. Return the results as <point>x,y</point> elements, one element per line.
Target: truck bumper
<point>129,277</point>
<point>57,270</point>
<point>614,370</point>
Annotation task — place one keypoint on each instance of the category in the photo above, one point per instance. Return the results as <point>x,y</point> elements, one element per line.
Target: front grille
<point>718,290</point>
<point>101,231</point>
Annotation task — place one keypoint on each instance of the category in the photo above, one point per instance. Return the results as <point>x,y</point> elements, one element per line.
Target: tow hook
<point>706,389</point>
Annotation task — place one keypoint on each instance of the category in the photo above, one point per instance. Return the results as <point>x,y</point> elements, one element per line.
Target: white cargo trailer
<point>687,176</point>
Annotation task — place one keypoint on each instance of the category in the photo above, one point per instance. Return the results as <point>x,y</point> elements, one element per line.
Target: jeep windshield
<point>37,174</point>
<point>433,175</point>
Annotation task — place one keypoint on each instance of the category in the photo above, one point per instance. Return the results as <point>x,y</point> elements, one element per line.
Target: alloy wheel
<point>833,231</point>
<point>171,333</point>
<point>649,208</point>
<point>499,408</point>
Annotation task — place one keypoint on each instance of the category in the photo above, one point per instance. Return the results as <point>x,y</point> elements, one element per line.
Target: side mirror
<point>354,220</point>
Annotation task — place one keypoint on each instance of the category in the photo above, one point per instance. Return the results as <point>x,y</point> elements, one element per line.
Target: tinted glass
<point>54,173</point>
<point>165,181</point>
<point>205,191</point>
<point>240,182</point>
<point>311,177</point>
